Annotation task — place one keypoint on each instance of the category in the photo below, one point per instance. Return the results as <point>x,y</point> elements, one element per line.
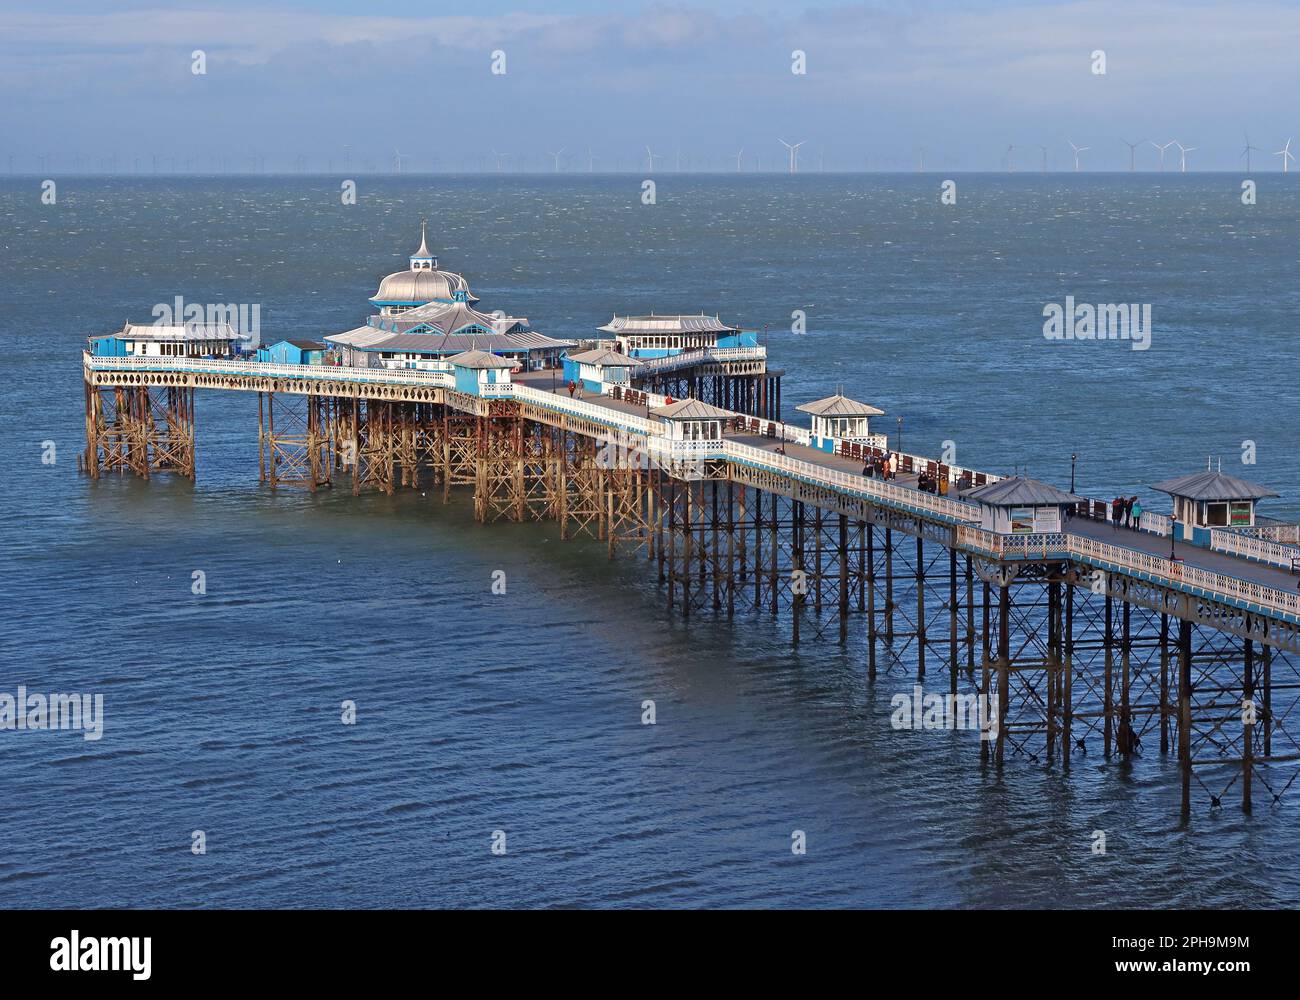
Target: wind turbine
<point>1077,151</point>
<point>738,156</point>
<point>591,162</point>
<point>1044,149</point>
<point>794,154</point>
<point>1132,151</point>
<point>1011,165</point>
<point>920,163</point>
<point>1182,156</point>
<point>557,158</point>
<point>498,156</point>
<point>1246,152</point>
<point>1162,151</point>
<point>398,157</point>
<point>650,157</point>
<point>1285,153</point>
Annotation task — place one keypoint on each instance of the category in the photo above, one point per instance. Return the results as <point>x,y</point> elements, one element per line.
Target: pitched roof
<point>603,356</point>
<point>1212,486</point>
<point>839,405</point>
<point>360,336</point>
<point>481,359</point>
<point>452,316</point>
<point>1017,491</point>
<point>188,331</point>
<point>667,324</point>
<point>304,345</point>
<point>691,409</point>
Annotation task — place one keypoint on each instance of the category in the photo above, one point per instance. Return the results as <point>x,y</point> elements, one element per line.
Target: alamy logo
<point>1109,321</point>
<point>94,954</point>
<point>54,711</point>
<point>242,317</point>
<point>945,711</point>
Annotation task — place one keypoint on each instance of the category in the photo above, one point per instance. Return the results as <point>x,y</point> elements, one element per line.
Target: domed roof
<point>418,287</point>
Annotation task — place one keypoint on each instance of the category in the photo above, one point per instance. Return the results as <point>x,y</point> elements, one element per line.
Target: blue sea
<point>521,712</point>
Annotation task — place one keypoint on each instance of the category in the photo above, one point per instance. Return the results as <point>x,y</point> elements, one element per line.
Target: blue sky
<point>331,82</point>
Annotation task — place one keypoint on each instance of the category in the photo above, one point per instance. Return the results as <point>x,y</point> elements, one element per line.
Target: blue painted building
<point>665,336</point>
<point>479,373</point>
<point>293,352</point>
<point>427,316</point>
<point>591,369</point>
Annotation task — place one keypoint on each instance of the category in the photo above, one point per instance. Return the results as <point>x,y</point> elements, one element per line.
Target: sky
<point>299,85</point>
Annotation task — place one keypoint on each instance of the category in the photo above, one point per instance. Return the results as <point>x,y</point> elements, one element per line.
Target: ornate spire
<point>422,259</point>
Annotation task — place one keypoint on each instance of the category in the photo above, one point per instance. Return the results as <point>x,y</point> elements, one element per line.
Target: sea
<point>499,755</point>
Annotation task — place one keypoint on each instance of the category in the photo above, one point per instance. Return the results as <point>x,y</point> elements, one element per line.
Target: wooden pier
<point>1092,641</point>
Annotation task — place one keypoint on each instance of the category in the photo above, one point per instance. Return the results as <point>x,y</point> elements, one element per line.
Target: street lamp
<point>900,438</point>
<point>1072,461</point>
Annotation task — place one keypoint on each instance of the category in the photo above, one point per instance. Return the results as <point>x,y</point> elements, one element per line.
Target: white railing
<point>1037,545</point>
<point>1180,573</point>
<point>221,366</point>
<point>1274,532</point>
<point>691,357</point>
<point>1258,549</point>
<point>852,484</point>
<point>1047,545</point>
<point>414,366</point>
<point>581,408</point>
<point>1157,524</point>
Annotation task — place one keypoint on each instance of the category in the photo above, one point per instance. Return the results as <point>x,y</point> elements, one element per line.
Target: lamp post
<point>900,439</point>
<point>1073,457</point>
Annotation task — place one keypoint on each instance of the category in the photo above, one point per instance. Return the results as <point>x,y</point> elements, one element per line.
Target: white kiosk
<point>838,418</point>
<point>1020,506</point>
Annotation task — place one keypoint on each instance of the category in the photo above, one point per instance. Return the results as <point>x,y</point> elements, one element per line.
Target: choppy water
<point>522,712</point>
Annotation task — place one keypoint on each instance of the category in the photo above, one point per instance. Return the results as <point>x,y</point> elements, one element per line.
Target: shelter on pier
<point>199,340</point>
<point>1207,500</point>
<point>692,420</point>
<point>838,418</point>
<point>482,374</point>
<point>1021,506</point>
<point>665,336</point>
<point>597,366</point>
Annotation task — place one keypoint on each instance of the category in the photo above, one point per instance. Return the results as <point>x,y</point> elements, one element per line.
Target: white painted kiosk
<point>1207,500</point>
<point>1020,506</point>
<point>838,418</point>
<point>692,420</point>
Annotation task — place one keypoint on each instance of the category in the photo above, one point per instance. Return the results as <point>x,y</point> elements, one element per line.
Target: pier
<point>1095,641</point>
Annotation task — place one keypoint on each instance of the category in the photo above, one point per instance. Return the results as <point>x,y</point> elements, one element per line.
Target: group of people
<point>1126,512</point>
<point>884,466</point>
<point>928,482</point>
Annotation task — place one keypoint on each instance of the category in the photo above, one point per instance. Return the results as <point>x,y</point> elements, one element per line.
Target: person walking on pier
<point>893,465</point>
<point>1128,511</point>
<point>1135,513</point>
<point>572,385</point>
<point>1116,512</point>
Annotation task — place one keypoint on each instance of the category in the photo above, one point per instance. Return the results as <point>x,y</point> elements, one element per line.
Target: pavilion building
<point>648,337</point>
<point>428,315</point>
